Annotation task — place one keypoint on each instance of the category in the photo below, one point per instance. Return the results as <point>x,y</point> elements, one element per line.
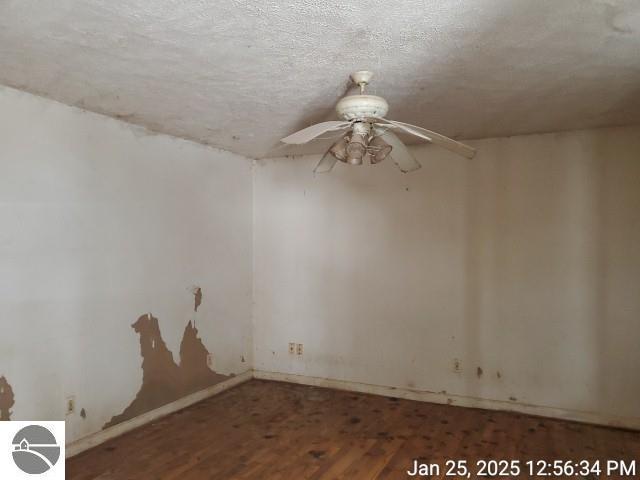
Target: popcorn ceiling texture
<point>242,74</point>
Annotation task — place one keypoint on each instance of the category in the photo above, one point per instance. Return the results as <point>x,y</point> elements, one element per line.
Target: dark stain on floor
<point>317,453</point>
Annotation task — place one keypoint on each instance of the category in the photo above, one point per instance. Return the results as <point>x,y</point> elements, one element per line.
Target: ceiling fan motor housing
<point>356,107</point>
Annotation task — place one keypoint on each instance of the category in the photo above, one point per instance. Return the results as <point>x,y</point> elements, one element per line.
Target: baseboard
<point>462,401</point>
<point>102,436</point>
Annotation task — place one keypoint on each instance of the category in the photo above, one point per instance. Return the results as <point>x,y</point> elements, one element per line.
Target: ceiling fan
<point>366,136</point>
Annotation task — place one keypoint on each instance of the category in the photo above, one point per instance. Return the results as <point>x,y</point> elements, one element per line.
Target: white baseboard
<point>410,394</point>
<point>461,401</point>
<point>102,436</point>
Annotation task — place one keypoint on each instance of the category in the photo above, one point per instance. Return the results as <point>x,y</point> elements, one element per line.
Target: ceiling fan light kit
<point>368,136</point>
<point>379,149</point>
<point>339,149</point>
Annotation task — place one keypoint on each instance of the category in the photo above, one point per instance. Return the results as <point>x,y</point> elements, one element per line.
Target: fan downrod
<point>362,78</point>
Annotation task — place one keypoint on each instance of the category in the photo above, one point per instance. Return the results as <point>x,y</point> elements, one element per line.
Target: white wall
<point>524,261</point>
<point>100,223</point>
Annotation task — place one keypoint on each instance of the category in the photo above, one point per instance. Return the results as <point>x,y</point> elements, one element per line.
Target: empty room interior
<point>319,239</point>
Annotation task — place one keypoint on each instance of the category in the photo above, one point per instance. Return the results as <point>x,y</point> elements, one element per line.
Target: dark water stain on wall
<point>197,298</point>
<point>163,381</point>
<point>6,399</point>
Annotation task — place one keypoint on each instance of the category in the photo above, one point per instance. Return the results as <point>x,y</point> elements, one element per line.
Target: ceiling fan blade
<point>307,134</point>
<point>400,154</point>
<point>326,163</point>
<point>435,138</point>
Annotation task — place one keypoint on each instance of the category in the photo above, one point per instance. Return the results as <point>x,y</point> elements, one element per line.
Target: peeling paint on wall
<point>163,381</point>
<point>7,399</point>
<point>153,188</point>
<point>197,295</point>
<point>196,374</point>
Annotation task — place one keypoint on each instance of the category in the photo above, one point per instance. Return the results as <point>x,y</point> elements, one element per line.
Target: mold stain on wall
<point>163,381</point>
<point>6,399</point>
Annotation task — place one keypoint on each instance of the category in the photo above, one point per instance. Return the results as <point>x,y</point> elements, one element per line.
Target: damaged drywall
<point>197,298</point>
<point>123,212</point>
<point>7,399</point>
<point>163,381</point>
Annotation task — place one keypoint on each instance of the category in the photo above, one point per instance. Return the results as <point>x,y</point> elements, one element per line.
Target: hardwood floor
<point>268,430</point>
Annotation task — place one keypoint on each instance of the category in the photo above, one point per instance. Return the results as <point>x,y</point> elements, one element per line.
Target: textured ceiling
<point>242,74</point>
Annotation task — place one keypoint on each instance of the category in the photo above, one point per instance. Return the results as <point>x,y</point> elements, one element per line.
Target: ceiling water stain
<point>197,296</point>
<point>6,399</point>
<point>163,381</point>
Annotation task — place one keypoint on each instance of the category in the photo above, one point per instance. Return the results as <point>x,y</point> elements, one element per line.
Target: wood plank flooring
<point>268,430</point>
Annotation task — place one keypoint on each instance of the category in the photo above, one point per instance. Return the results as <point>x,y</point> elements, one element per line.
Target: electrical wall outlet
<point>457,367</point>
<point>209,360</point>
<point>71,405</point>
<point>292,348</point>
<point>299,349</point>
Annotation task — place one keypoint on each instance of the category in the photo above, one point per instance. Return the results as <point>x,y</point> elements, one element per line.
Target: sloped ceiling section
<point>241,74</point>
